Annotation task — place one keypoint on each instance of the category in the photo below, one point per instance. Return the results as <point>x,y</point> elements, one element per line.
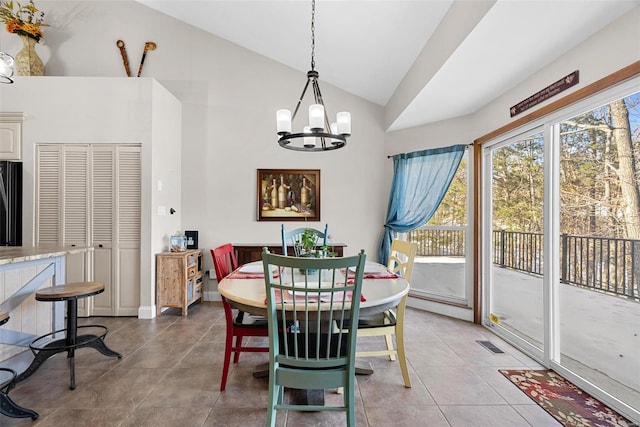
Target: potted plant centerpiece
<point>307,246</point>
<point>308,242</point>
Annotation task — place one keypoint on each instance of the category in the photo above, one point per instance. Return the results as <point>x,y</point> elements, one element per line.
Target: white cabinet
<point>90,194</point>
<point>11,136</point>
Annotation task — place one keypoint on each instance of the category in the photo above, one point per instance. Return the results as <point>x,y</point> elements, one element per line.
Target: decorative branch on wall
<point>125,58</point>
<point>147,47</point>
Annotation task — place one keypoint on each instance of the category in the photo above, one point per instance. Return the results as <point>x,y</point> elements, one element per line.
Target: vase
<point>27,61</point>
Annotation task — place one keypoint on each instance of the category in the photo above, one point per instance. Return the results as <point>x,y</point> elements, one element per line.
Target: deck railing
<point>439,241</point>
<point>600,263</point>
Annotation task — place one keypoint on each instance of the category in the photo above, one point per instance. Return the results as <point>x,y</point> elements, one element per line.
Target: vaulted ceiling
<point>425,60</point>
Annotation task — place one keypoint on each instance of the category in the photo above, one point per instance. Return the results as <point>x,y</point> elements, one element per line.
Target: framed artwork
<point>288,195</point>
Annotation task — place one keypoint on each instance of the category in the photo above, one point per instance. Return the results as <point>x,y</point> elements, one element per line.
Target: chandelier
<point>6,68</point>
<point>330,136</point>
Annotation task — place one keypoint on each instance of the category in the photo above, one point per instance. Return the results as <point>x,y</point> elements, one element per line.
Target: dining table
<point>245,290</point>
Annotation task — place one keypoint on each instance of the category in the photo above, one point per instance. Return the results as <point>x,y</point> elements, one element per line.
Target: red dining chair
<point>242,324</point>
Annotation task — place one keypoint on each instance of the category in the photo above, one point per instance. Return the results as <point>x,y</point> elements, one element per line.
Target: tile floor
<point>170,374</point>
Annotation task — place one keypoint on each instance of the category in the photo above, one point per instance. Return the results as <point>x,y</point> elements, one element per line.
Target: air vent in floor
<point>491,347</point>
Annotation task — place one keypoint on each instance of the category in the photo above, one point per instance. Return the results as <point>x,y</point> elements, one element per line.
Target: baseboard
<point>212,296</point>
<point>462,313</point>
<point>147,312</point>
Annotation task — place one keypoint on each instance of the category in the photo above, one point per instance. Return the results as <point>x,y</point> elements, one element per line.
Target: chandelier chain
<point>313,34</point>
<point>331,136</point>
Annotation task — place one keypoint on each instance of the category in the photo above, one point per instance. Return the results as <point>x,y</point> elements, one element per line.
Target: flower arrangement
<point>26,19</point>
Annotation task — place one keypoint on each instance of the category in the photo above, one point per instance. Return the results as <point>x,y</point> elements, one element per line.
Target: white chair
<point>391,322</point>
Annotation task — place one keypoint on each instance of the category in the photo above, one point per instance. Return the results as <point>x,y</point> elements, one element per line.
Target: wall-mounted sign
<point>546,93</point>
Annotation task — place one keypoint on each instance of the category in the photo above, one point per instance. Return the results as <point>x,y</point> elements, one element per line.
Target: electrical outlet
<point>212,274</point>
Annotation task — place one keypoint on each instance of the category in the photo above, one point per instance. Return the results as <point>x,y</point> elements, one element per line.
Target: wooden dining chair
<point>294,238</point>
<point>391,322</point>
<point>309,347</point>
<point>239,324</point>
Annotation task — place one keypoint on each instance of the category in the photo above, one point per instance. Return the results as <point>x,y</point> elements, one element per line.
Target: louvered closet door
<point>75,213</point>
<point>61,206</point>
<point>62,201</point>
<point>128,209</point>
<point>48,230</point>
<point>102,226</point>
<point>48,195</point>
<point>90,195</point>
<point>115,228</point>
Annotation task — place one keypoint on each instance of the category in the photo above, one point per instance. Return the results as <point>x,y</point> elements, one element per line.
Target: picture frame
<point>288,195</point>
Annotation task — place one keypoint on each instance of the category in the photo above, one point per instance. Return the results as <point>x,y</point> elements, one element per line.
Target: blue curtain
<point>420,181</point>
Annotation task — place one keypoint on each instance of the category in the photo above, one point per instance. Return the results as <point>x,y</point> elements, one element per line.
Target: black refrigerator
<point>10,203</point>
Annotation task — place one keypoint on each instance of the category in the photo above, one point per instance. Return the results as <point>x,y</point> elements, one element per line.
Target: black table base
<point>7,406</point>
<point>309,396</point>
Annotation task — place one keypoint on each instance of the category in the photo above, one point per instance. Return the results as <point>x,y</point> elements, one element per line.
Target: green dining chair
<point>309,347</point>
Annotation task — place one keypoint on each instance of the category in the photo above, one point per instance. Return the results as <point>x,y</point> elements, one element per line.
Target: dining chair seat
<point>387,318</point>
<point>247,320</point>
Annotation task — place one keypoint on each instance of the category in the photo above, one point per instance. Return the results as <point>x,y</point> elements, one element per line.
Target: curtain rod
<point>388,157</point>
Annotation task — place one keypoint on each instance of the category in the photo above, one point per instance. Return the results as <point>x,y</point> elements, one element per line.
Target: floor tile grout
<point>449,389</point>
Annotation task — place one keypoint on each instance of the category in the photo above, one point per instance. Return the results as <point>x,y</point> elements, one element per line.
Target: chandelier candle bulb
<point>316,117</point>
<point>334,130</point>
<point>309,141</point>
<point>283,118</point>
<point>344,123</point>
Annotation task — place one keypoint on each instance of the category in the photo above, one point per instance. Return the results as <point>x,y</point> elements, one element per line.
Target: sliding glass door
<point>514,187</point>
<point>599,247</point>
<point>561,243</point>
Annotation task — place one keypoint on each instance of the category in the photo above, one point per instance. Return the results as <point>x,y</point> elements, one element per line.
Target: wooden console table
<point>249,252</point>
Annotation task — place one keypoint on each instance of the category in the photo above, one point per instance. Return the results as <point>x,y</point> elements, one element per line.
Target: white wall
<point>606,52</point>
<point>106,110</point>
<point>78,111</point>
<point>229,96</point>
<point>161,188</point>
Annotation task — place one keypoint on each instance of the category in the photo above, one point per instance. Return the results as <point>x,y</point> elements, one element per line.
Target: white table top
<point>249,294</point>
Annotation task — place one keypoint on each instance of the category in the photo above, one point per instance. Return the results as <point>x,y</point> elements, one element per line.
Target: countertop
<point>15,254</point>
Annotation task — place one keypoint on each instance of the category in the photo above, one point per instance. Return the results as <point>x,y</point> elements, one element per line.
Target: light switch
<point>162,210</point>
<point>159,185</point>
